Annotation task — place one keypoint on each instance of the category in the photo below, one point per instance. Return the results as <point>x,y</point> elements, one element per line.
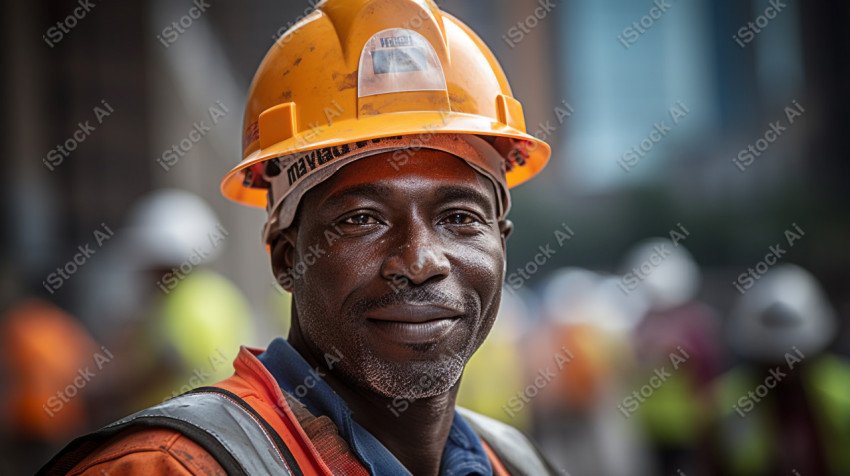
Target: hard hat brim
<point>419,125</point>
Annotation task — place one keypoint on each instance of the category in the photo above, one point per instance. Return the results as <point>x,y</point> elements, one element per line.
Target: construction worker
<point>172,322</point>
<point>678,338</point>
<point>46,361</point>
<point>381,137</point>
<point>582,348</point>
<point>786,408</point>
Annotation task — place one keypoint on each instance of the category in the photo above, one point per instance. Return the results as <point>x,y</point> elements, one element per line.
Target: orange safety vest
<point>162,437</point>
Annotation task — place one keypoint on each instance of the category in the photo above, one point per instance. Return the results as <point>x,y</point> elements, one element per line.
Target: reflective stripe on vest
<point>219,421</point>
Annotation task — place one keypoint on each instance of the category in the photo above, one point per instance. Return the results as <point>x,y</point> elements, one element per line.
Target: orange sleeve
<point>149,451</point>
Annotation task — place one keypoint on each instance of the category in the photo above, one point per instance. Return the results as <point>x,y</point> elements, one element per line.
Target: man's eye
<point>360,219</point>
<point>460,219</point>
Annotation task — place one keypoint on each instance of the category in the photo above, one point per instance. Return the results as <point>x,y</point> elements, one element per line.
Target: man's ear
<point>506,227</point>
<point>283,257</point>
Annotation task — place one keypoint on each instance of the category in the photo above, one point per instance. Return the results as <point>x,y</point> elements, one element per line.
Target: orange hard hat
<point>357,70</point>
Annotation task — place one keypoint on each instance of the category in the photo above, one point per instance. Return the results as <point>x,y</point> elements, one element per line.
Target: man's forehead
<point>438,173</point>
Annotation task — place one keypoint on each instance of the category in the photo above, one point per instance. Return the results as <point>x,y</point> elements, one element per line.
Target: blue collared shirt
<point>462,456</point>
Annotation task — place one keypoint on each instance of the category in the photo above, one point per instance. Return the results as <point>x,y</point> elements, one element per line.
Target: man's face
<point>399,268</point>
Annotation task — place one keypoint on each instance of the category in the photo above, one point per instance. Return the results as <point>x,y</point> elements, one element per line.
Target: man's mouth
<point>413,323</point>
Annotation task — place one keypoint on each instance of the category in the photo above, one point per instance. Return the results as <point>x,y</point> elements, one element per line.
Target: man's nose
<point>418,257</point>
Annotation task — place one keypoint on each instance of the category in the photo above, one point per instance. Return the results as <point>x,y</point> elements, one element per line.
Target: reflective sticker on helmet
<point>397,60</point>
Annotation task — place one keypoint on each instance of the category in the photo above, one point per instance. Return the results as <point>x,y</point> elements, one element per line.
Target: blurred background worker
<point>174,324</point>
<point>787,405</point>
<point>678,349</point>
<point>581,349</point>
<point>46,360</point>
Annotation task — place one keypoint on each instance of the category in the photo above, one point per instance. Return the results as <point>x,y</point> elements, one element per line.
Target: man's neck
<point>414,431</point>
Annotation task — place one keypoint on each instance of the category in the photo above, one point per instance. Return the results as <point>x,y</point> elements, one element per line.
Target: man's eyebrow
<point>449,193</point>
<point>444,193</point>
<point>369,190</point>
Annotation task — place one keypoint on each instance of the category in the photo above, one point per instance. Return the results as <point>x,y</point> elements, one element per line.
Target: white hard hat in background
<point>786,310</point>
<point>664,271</point>
<point>169,226</point>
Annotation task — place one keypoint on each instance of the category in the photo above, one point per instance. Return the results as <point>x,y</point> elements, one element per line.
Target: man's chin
<point>414,380</point>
